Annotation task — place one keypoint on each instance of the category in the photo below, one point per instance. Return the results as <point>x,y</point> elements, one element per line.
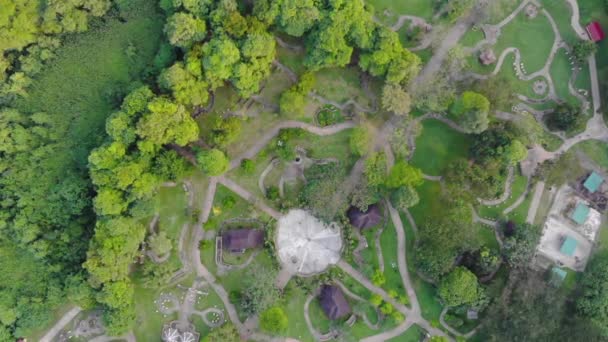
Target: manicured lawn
<point>429,205</point>
<point>561,72</point>
<point>294,307</point>
<point>520,214</point>
<point>173,210</point>
<point>438,146</point>
<point>471,38</point>
<point>533,38</point>
<point>561,13</point>
<point>420,8</point>
<point>388,241</point>
<point>595,150</point>
<point>517,189</point>
<point>92,71</point>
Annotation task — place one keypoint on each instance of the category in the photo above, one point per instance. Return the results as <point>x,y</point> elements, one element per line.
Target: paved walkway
<point>63,321</point>
<point>506,193</point>
<point>538,193</point>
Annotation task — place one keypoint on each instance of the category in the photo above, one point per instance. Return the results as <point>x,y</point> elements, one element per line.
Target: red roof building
<point>595,31</point>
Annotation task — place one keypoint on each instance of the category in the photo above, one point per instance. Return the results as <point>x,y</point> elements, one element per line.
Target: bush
<point>387,308</point>
<point>359,141</point>
<point>213,162</point>
<point>248,166</point>
<point>329,115</point>
<point>228,202</point>
<point>272,193</point>
<point>274,320</point>
<point>375,300</point>
<point>378,278</point>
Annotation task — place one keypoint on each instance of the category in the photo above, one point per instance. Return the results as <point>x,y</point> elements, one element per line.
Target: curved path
<point>265,139</point>
<point>520,199</point>
<point>506,193</point>
<point>63,321</point>
<point>452,330</point>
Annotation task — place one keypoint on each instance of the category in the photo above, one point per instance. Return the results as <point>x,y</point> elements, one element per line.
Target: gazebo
<point>238,240</point>
<point>364,219</point>
<point>487,57</point>
<point>333,302</point>
<point>595,31</point>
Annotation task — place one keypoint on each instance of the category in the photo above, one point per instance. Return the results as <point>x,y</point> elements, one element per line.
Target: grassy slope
<point>81,84</point>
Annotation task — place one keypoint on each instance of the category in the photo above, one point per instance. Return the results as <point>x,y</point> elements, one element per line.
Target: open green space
<point>434,154</point>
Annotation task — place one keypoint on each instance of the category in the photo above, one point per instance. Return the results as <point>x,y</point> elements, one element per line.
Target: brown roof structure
<point>487,57</point>
<point>237,240</point>
<point>364,219</point>
<point>333,302</point>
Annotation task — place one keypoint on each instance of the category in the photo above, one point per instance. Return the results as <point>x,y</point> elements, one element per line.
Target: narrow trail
<point>63,321</point>
<point>520,199</point>
<point>506,193</point>
<point>452,330</point>
<point>274,131</point>
<point>249,197</point>
<point>538,193</point>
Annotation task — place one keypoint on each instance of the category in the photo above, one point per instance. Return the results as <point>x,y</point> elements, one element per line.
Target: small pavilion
<point>568,246</point>
<point>487,57</point>
<point>364,219</point>
<point>593,182</point>
<point>595,31</point>
<point>333,302</point>
<point>238,240</point>
<point>580,213</point>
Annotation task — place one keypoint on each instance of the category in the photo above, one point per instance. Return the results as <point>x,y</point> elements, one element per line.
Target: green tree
<point>166,122</point>
<point>274,320</point>
<point>226,333</point>
<point>472,109</point>
<point>516,152</point>
<point>375,169</point>
<point>297,16</point>
<point>223,131</point>
<point>359,141</point>
<point>582,49</point>
<point>460,287</point>
<point>220,55</point>
<point>213,162</point>
<point>405,197</point>
<point>565,117</point>
<point>185,86</point>
<point>593,302</point>
<point>403,174</point>
<point>259,293</point>
<point>389,59</point>
<point>183,29</point>
<point>520,243</point>
<point>395,99</point>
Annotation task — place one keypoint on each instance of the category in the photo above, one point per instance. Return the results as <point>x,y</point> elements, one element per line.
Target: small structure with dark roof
<point>595,31</point>
<point>238,240</point>
<point>487,57</point>
<point>364,219</point>
<point>333,302</point>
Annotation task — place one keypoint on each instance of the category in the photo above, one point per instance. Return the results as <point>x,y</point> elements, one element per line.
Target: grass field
<point>561,72</point>
<point>438,146</point>
<point>595,150</point>
<point>341,84</point>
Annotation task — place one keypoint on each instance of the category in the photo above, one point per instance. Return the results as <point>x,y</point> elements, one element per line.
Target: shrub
<point>375,300</point>
<point>329,115</point>
<point>274,320</point>
<point>378,278</point>
<point>248,166</point>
